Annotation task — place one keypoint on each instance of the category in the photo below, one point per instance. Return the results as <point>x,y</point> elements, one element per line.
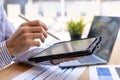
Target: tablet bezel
<point>88,51</point>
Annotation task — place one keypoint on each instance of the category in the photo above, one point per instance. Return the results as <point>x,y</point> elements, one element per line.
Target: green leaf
<point>75,28</point>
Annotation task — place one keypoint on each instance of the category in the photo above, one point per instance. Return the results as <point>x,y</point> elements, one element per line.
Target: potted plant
<point>75,28</point>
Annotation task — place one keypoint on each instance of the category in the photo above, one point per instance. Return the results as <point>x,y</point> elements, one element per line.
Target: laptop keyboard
<point>89,59</point>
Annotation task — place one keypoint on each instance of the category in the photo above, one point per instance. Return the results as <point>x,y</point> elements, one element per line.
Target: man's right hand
<point>24,37</point>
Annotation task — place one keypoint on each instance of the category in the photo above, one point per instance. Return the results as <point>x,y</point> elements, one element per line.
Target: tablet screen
<point>67,47</point>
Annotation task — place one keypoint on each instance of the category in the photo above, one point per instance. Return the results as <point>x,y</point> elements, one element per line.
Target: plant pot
<point>75,37</point>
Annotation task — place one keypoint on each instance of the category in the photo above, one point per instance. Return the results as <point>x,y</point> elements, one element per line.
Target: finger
<point>37,35</point>
<point>44,33</point>
<point>39,30</point>
<point>57,61</point>
<point>35,43</point>
<point>44,26</point>
<point>31,29</point>
<point>54,62</point>
<point>42,38</point>
<point>35,23</point>
<point>34,30</point>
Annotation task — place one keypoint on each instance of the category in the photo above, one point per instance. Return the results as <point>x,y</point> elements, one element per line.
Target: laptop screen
<point>108,28</point>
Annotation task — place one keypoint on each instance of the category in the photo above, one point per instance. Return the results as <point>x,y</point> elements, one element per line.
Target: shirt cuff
<point>5,57</point>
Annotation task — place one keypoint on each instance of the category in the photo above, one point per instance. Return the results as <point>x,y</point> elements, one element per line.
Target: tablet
<point>66,49</point>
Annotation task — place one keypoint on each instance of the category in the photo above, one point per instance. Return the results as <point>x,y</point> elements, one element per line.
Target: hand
<point>24,37</point>
<point>57,61</point>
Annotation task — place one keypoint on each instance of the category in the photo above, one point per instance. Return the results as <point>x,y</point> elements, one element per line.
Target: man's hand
<point>57,61</point>
<point>24,37</point>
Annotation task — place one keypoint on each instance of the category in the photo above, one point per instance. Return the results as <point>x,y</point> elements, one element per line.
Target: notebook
<point>106,27</point>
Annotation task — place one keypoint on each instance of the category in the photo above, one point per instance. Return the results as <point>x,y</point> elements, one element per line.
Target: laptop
<point>106,27</point>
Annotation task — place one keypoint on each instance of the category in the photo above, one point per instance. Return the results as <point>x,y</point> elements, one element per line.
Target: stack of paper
<point>105,72</point>
<point>43,72</point>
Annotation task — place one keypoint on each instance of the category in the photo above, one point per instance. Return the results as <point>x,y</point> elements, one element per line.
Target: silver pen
<point>47,32</point>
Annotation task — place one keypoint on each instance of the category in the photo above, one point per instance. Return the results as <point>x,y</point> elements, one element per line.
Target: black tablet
<point>66,49</point>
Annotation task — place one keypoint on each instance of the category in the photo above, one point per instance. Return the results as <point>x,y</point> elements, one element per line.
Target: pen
<point>47,32</point>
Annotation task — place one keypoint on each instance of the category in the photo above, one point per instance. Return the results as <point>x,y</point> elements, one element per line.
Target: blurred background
<point>56,13</point>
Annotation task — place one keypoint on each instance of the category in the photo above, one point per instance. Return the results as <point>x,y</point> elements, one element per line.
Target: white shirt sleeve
<point>5,57</point>
<point>6,30</point>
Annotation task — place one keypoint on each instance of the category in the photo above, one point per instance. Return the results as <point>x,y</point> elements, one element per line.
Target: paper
<point>43,72</point>
<point>104,72</point>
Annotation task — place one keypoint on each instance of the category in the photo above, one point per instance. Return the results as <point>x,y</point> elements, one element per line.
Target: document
<point>43,72</point>
<point>104,72</point>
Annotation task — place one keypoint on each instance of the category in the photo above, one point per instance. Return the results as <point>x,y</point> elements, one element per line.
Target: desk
<point>17,68</point>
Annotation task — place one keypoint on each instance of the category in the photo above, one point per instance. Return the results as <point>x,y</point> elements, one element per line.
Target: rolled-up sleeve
<point>5,57</point>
